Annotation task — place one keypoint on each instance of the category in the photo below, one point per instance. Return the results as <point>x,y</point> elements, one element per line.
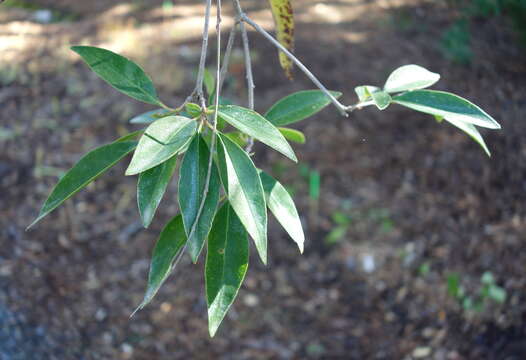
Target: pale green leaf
<point>245,191</point>
<point>292,135</point>
<point>381,99</point>
<point>365,92</point>
<point>174,132</point>
<point>410,77</point>
<point>472,131</point>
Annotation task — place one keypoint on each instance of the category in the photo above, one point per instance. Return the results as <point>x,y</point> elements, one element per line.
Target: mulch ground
<point>421,199</point>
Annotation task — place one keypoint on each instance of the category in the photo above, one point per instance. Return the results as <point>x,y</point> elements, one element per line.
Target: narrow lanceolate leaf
<point>472,131</point>
<point>167,249</point>
<point>292,135</point>
<point>89,167</point>
<point>161,140</point>
<point>284,23</point>
<point>226,264</point>
<point>447,105</point>
<point>192,182</point>
<point>255,125</point>
<point>410,77</point>
<point>381,99</point>
<point>245,191</point>
<point>282,206</point>
<point>298,106</point>
<point>149,116</point>
<point>151,187</point>
<point>120,72</point>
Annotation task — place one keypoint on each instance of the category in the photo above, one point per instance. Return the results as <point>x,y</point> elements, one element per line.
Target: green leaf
<point>89,167</point>
<point>255,125</point>
<point>226,264</point>
<point>210,82</point>
<point>410,77</point>
<point>149,116</point>
<point>381,99</point>
<point>447,105</point>
<point>168,247</point>
<point>245,191</point>
<point>151,187</point>
<point>365,92</point>
<point>298,106</point>
<point>121,73</point>
<point>129,136</point>
<point>471,131</point>
<point>497,294</point>
<point>193,110</point>
<point>173,131</point>
<point>238,137</point>
<point>292,135</point>
<point>194,170</point>
<point>282,206</point>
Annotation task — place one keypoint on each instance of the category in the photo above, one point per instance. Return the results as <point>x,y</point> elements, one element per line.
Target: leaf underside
<point>284,22</point>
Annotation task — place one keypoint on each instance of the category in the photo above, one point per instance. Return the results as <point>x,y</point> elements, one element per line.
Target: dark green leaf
<point>282,206</point>
<point>89,167</point>
<point>298,106</point>
<point>245,191</point>
<point>292,135</point>
<point>121,73</point>
<point>410,77</point>
<point>173,131</point>
<point>149,116</point>
<point>151,187</point>
<point>255,125</point>
<point>447,105</point>
<point>192,181</point>
<point>167,249</point>
<point>226,264</point>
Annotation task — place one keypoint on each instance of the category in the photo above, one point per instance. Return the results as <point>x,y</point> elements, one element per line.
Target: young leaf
<point>446,105</point>
<point>365,92</point>
<point>168,247</point>
<point>151,187</point>
<point>193,174</point>
<point>381,99</point>
<point>472,131</point>
<point>210,82</point>
<point>298,106</point>
<point>292,135</point>
<point>173,131</point>
<point>121,73</point>
<point>89,167</point>
<point>410,77</point>
<point>193,110</point>
<point>255,125</point>
<point>226,264</point>
<point>245,191</point>
<point>282,206</point>
<point>149,116</point>
<point>284,22</point>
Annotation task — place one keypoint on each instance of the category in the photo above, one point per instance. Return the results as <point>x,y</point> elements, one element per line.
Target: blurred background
<point>415,239</point>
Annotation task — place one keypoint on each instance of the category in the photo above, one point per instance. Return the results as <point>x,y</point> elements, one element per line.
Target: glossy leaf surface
<point>173,131</point>
<point>447,105</point>
<point>282,206</point>
<point>226,264</point>
<point>193,174</point>
<point>255,125</point>
<point>245,192</point>
<point>298,106</point>
<point>89,167</point>
<point>151,187</point>
<point>120,72</point>
<point>168,247</point>
<point>410,77</point>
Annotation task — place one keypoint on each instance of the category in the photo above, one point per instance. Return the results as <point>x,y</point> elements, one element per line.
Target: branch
<point>202,61</point>
<point>342,108</point>
<point>228,52</point>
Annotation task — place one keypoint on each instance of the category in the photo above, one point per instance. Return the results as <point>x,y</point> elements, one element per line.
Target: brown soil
<point>418,194</point>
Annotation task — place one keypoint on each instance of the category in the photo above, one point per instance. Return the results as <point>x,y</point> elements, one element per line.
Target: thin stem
<point>342,108</point>
<point>202,61</point>
<point>228,52</point>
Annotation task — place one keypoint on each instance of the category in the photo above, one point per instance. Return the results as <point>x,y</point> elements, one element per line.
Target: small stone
<point>251,300</point>
<point>421,352</point>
